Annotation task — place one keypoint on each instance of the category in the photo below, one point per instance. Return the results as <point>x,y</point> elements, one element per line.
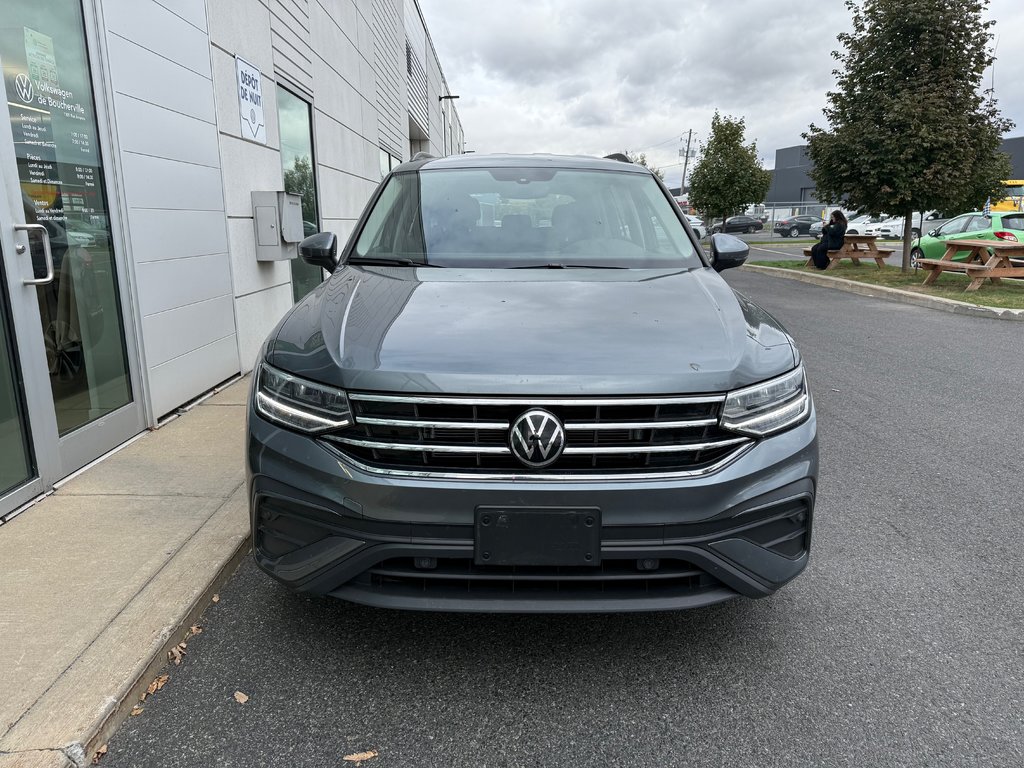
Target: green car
<point>968,226</point>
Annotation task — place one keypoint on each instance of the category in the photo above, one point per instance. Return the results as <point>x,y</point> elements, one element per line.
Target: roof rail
<point>423,156</point>
<point>618,156</point>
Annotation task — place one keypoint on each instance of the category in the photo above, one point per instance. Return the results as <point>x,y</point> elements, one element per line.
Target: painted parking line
<point>791,254</point>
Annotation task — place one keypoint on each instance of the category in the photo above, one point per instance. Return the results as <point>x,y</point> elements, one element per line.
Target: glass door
<point>17,468</point>
<point>60,249</point>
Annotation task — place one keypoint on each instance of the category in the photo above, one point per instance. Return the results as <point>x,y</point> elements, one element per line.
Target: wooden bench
<point>855,248</point>
<point>986,260</point>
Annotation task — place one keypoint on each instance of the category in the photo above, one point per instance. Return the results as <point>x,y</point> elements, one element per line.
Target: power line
<point>660,143</point>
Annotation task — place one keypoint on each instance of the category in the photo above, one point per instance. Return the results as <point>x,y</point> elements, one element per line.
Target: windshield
<point>525,217</point>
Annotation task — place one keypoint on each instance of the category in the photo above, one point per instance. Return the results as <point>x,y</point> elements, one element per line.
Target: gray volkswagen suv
<point>525,388</point>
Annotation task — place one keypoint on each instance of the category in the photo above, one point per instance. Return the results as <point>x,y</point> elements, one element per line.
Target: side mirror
<point>727,251</point>
<point>320,250</point>
<point>931,232</point>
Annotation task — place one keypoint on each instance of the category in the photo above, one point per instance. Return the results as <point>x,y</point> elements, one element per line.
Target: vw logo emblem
<point>24,87</point>
<point>537,438</point>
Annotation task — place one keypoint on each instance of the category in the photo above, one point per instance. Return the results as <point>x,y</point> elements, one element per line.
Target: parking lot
<point>900,645</point>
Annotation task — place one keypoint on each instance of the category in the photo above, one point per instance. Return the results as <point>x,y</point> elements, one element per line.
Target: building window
<point>387,162</point>
<point>297,164</point>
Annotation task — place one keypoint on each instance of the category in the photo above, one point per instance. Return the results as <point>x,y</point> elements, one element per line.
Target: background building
<point>791,182</point>
<point>138,132</point>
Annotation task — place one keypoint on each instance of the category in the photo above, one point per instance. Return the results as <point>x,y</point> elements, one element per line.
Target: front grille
<point>461,578</point>
<point>631,437</point>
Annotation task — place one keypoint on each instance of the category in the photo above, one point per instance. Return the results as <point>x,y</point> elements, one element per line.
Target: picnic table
<point>986,260</point>
<point>855,248</point>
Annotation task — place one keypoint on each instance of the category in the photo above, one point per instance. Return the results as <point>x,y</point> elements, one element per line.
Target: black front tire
<point>915,254</point>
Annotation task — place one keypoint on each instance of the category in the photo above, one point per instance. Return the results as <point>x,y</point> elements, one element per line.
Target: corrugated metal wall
<point>389,65</point>
<point>289,31</point>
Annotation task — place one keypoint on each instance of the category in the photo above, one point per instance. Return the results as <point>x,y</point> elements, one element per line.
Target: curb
<point>71,739</point>
<point>892,294</point>
<point>108,723</point>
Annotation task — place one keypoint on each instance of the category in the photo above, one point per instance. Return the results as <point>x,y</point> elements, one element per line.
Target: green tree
<point>909,127</point>
<point>729,176</point>
<point>641,159</point>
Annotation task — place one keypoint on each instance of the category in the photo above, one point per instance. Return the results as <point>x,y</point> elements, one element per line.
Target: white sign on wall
<point>250,101</point>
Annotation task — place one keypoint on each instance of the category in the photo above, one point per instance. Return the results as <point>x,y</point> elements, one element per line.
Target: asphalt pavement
<point>901,645</point>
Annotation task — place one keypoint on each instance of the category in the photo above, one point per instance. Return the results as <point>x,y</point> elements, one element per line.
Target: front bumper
<point>321,525</point>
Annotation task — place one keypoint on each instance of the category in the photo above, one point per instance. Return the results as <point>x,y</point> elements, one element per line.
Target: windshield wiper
<point>568,266</point>
<point>395,262</point>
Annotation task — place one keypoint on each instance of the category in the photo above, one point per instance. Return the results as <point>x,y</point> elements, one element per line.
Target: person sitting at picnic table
<point>832,237</point>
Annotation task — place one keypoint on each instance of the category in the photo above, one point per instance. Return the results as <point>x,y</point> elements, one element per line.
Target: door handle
<point>47,253</point>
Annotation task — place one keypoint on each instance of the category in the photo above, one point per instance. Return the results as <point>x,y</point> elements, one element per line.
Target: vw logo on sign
<point>537,438</point>
<point>23,85</point>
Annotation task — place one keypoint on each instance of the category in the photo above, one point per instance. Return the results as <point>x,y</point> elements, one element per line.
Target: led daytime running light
<point>300,404</point>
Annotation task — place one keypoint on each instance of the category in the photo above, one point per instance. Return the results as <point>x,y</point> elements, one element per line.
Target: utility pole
<point>686,163</point>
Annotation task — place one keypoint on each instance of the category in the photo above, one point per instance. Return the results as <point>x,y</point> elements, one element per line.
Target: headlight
<point>300,404</point>
<point>769,407</point>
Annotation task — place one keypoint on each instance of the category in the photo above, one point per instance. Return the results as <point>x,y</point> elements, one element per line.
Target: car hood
<point>543,331</point>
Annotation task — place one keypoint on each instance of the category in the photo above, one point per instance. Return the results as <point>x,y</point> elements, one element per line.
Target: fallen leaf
<point>216,598</point>
<point>195,629</point>
<point>240,697</point>
<point>99,753</point>
<point>157,684</point>
<point>176,653</point>
<point>358,757</point>
<point>137,710</point>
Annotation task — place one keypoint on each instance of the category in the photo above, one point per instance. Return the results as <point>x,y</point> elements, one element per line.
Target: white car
<point>859,224</point>
<point>888,227</point>
<point>895,224</point>
<point>697,225</point>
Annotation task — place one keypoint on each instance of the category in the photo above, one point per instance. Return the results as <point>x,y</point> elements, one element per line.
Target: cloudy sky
<point>599,76</point>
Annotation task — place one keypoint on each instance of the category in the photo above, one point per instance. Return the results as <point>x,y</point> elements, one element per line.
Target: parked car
<point>968,226</point>
<point>615,429</point>
<point>697,225</point>
<point>893,227</point>
<point>816,228</point>
<point>741,223</point>
<point>887,227</point>
<point>858,224</point>
<point>794,226</point>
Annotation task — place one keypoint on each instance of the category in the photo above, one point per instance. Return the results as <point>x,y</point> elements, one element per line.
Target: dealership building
<point>160,163</point>
<point>792,183</point>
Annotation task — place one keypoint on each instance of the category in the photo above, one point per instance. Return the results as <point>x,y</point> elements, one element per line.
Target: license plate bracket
<point>551,536</point>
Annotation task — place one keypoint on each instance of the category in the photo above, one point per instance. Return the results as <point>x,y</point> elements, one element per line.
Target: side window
<point>299,170</point>
<point>1014,222</point>
<point>977,224</point>
<point>953,226</point>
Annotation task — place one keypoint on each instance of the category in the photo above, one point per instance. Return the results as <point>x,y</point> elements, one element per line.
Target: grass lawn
<point>1008,295</point>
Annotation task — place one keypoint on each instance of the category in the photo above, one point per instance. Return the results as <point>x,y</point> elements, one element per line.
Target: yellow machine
<point>1013,196</point>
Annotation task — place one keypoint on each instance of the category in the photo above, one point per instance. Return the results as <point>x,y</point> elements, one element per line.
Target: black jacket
<point>834,234</point>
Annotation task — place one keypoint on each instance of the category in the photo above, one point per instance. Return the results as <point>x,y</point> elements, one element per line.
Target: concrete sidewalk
<point>100,579</point>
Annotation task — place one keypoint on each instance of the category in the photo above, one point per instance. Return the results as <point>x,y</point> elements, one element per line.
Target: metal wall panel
<point>390,85</point>
<point>165,118</point>
<point>289,30</point>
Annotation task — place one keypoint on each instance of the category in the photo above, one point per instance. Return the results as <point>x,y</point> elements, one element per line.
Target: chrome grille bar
<point>528,401</point>
<point>579,425</point>
<point>399,422</point>
<point>641,448</point>
<point>420,447</point>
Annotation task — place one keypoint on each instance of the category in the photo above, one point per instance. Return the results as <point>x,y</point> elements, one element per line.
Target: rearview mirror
<point>727,251</point>
<point>931,232</point>
<point>320,250</point>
